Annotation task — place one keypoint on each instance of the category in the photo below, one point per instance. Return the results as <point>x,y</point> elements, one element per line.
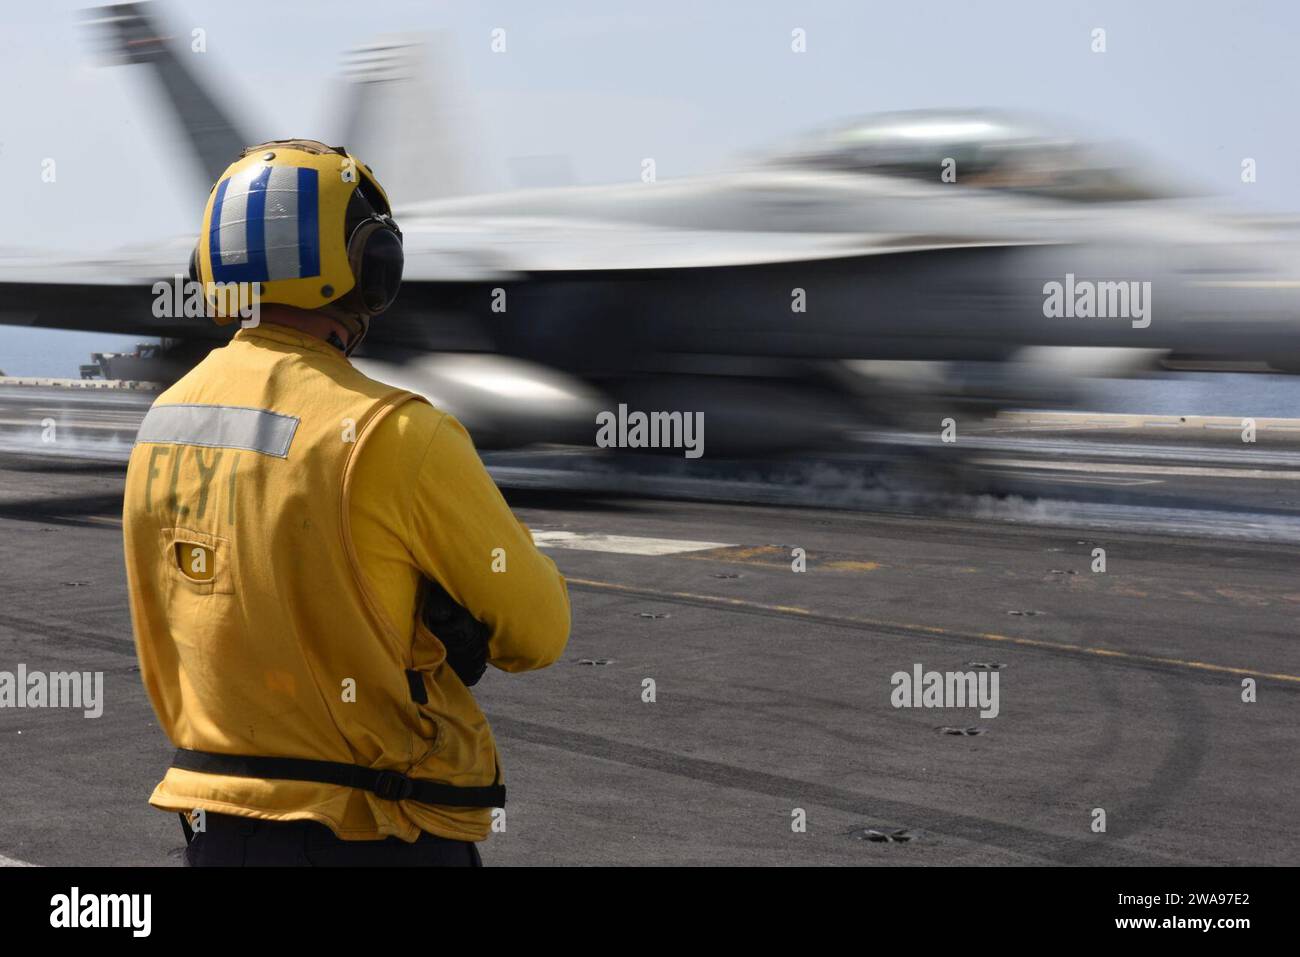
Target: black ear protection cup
<point>376,258</point>
<point>374,254</point>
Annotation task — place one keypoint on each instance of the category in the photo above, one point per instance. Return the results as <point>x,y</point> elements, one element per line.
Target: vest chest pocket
<point>199,562</point>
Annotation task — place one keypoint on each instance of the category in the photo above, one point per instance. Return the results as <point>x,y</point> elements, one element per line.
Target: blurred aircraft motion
<point>1000,256</point>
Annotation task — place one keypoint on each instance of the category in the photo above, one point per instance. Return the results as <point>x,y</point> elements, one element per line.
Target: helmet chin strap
<point>357,327</point>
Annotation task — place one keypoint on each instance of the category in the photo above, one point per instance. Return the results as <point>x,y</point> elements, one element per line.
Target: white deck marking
<point>1116,468</point>
<point>620,544</point>
<point>1079,479</point>
<point>1140,421</point>
<point>10,862</point>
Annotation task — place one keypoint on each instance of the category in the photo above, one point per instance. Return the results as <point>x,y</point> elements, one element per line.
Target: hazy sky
<point>1196,86</point>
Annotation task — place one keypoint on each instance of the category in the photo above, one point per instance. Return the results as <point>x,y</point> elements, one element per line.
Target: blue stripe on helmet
<point>308,218</point>
<point>257,226</point>
<point>214,230</point>
<point>254,270</point>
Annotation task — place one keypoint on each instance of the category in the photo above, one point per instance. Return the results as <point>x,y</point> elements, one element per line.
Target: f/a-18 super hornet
<point>755,295</point>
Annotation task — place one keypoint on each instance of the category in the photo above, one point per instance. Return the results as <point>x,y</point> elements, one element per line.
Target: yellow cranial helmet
<point>309,224</point>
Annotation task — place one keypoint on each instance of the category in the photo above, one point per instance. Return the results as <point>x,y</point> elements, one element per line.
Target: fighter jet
<point>749,294</point>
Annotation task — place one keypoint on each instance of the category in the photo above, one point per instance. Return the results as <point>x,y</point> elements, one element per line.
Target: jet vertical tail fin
<point>132,35</point>
<point>403,116</point>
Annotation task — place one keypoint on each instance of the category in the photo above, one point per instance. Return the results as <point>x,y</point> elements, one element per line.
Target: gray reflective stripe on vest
<point>220,427</point>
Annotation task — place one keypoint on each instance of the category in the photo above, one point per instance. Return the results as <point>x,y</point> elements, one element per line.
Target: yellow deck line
<point>795,612</point>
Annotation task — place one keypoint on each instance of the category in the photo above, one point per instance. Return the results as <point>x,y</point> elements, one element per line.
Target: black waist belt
<point>389,785</point>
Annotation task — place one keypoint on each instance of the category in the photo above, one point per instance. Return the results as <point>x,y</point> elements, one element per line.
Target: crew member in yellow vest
<point>319,565</point>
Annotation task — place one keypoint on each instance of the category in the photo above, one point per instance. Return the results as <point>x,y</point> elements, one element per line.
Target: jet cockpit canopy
<point>981,148</point>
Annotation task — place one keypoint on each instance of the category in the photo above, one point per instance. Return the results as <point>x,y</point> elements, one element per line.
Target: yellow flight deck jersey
<point>281,512</point>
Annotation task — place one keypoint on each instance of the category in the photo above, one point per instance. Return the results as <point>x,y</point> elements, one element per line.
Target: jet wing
<point>472,250</point>
<point>113,294</point>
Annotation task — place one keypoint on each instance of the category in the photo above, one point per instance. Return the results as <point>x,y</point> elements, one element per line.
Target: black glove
<point>464,636</point>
